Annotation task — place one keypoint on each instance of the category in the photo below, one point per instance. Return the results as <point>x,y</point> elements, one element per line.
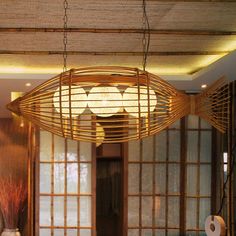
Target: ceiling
<point>187,37</point>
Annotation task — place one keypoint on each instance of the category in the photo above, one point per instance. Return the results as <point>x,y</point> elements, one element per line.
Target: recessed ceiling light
<point>28,84</point>
<point>203,86</point>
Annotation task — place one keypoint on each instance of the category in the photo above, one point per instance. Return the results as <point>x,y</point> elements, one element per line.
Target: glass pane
<point>59,178</point>
<point>133,211</point>
<point>192,146</point>
<point>134,150</point>
<point>147,211</point>
<point>72,211</point>
<point>205,180</point>
<point>160,211</point>
<point>175,125</point>
<point>202,233</point>
<point>191,213</point>
<point>72,232</point>
<point>72,150</point>
<point>173,212</point>
<point>45,178</point>
<point>72,178</point>
<point>58,211</point>
<point>45,213</point>
<point>59,148</point>
<point>44,232</point>
<point>85,232</point>
<point>148,148</point>
<point>147,178</point>
<point>174,145</point>
<point>85,211</point>
<point>191,233</point>
<point>160,174</point>
<point>58,232</point>
<point>85,178</point>
<point>205,124</point>
<point>193,122</point>
<point>205,148</point>
<point>160,146</point>
<point>133,232</point>
<point>160,232</point>
<point>205,211</point>
<point>174,178</point>
<point>45,146</point>
<point>85,149</point>
<point>133,178</point>
<point>191,180</point>
<point>173,232</point>
<point>146,232</point>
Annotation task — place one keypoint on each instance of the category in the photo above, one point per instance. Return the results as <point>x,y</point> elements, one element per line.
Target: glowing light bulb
<point>78,100</point>
<point>105,101</point>
<point>131,103</point>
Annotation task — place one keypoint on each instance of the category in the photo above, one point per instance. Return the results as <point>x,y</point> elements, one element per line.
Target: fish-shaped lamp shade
<point>127,103</point>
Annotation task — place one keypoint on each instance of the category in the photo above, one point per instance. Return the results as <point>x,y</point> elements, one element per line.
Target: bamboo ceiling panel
<point>119,14</point>
<point>114,42</point>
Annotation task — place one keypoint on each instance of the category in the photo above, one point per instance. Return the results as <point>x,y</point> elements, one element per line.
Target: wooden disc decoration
<point>128,103</point>
<point>215,226</point>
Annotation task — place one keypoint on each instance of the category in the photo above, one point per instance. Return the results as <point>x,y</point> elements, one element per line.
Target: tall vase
<point>10,232</point>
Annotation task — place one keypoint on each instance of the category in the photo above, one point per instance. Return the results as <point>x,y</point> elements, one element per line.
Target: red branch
<point>12,200</point>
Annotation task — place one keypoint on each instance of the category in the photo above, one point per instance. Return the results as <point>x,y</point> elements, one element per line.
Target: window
<point>65,202</point>
<point>168,183</point>
<point>198,169</point>
<point>169,180</point>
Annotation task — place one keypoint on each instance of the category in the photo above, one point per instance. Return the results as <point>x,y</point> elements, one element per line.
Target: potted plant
<point>13,194</point>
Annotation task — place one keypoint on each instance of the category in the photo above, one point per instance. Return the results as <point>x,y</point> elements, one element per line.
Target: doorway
<point>109,190</point>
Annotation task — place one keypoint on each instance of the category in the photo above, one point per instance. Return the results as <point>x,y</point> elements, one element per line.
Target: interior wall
<point>13,157</point>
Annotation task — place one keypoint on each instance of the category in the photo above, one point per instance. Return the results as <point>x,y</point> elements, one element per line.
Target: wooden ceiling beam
<point>118,31</point>
<point>160,53</point>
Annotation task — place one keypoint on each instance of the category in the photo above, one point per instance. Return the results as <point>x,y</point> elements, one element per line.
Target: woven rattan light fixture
<point>133,105</point>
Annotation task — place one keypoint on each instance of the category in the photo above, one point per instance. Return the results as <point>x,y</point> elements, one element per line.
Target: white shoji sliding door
<point>198,169</point>
<point>154,184</point>
<point>64,187</point>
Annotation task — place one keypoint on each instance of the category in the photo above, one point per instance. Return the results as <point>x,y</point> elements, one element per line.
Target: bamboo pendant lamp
<point>125,103</point>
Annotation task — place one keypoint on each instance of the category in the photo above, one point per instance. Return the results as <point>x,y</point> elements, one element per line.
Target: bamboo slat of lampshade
<point>127,103</point>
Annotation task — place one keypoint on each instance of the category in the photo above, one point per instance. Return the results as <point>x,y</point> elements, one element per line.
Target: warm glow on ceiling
<point>29,70</point>
<point>208,60</point>
<point>173,69</point>
<point>230,46</point>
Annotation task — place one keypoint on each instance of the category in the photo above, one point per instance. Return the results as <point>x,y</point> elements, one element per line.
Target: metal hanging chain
<point>65,19</point>
<point>146,35</point>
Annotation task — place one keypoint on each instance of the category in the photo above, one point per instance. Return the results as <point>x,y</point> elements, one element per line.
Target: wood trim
<point>97,53</point>
<point>198,173</point>
<point>94,176</point>
<point>153,185</point>
<point>167,182</point>
<point>35,185</point>
<point>140,186</point>
<point>52,182</point>
<point>65,186</point>
<point>36,178</point>
<point>183,150</point>
<point>78,186</point>
<point>119,31</point>
<point>125,188</point>
<point>230,184</point>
